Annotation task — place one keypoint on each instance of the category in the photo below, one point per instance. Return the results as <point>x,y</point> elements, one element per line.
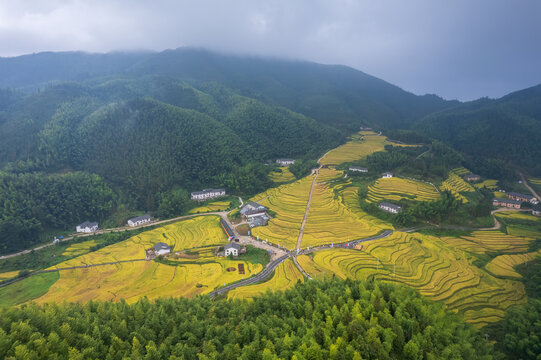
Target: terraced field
<point>79,249</point>
<point>490,241</point>
<point>455,184</point>
<point>133,280</point>
<point>359,146</point>
<point>516,215</point>
<point>429,265</point>
<point>330,221</point>
<point>289,203</point>
<point>397,189</point>
<point>329,174</point>
<point>185,234</point>
<point>285,276</point>
<point>8,275</point>
<point>461,171</point>
<point>489,184</point>
<point>211,207</point>
<point>282,177</point>
<point>504,265</point>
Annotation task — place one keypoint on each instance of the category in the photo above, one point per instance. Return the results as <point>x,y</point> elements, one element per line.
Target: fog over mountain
<point>459,49</point>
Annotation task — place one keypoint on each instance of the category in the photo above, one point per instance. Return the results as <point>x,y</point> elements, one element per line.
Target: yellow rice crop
<point>79,249</point>
<point>535,181</point>
<point>490,241</point>
<point>504,265</point>
<point>285,276</point>
<point>289,203</point>
<point>133,280</point>
<point>355,149</point>
<point>397,189</point>
<point>211,207</point>
<point>195,232</point>
<point>427,264</point>
<point>329,220</point>
<point>516,215</point>
<point>281,177</point>
<point>8,275</point>
<point>455,184</point>
<point>329,174</point>
<point>461,171</point>
<point>489,184</point>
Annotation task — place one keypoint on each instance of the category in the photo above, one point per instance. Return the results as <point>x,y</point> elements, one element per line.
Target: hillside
<point>507,129</point>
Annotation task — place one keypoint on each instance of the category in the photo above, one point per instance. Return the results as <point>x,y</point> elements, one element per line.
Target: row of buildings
<point>514,200</point>
<point>207,194</point>
<point>91,227</point>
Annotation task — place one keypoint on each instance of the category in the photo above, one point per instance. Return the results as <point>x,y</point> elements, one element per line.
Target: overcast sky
<point>461,49</point>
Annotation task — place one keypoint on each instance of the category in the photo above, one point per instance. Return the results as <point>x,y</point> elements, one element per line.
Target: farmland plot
<point>490,241</point>
<point>355,149</point>
<point>211,207</point>
<point>456,185</point>
<point>397,189</point>
<point>282,177</point>
<point>504,265</point>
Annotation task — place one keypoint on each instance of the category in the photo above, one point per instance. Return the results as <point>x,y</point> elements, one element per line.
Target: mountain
<point>507,129</point>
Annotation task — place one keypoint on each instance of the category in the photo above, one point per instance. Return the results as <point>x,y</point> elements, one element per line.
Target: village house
<point>390,208</point>
<point>252,209</point>
<point>256,221</point>
<point>285,162</point>
<point>358,169</point>
<point>472,177</point>
<point>87,227</point>
<point>207,194</point>
<point>387,175</point>
<point>536,210</point>
<point>227,229</point>
<point>139,220</point>
<point>522,197</point>
<point>514,204</point>
<point>162,249</point>
<point>232,249</point>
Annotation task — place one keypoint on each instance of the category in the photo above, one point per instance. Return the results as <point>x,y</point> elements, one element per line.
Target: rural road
<point>525,182</point>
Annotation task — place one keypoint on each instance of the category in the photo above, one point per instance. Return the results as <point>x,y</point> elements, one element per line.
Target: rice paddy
<point>504,265</point>
<point>285,276</point>
<point>196,232</point>
<point>456,185</point>
<point>8,275</point>
<point>329,174</point>
<point>489,184</point>
<point>359,146</point>
<point>79,249</point>
<point>281,177</point>
<point>397,189</point>
<point>490,241</point>
<point>429,265</point>
<point>211,207</point>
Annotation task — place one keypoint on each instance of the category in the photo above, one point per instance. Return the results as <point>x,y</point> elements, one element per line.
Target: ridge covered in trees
<point>317,320</point>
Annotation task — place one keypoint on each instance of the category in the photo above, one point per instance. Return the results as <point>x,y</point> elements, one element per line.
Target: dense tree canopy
<point>316,320</point>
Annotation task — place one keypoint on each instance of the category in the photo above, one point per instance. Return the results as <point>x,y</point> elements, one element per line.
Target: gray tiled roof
<point>161,246</point>
<point>88,224</point>
<point>139,218</point>
<point>389,205</point>
<point>232,246</point>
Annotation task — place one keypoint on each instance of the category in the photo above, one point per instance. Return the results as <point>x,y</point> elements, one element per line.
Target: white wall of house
<point>231,251</point>
<point>163,252</point>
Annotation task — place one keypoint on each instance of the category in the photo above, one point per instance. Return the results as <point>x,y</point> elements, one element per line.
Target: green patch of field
<point>28,289</point>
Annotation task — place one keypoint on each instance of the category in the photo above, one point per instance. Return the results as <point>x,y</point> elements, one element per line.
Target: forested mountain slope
<point>508,128</point>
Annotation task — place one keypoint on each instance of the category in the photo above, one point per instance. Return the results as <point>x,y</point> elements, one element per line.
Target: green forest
<point>316,320</point>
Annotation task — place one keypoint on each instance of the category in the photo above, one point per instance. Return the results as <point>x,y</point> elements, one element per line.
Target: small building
<point>536,210</point>
<point>285,162</point>
<point>390,208</point>
<point>387,175</point>
<point>260,220</point>
<point>87,227</point>
<point>207,194</point>
<point>513,204</point>
<point>252,209</point>
<point>227,229</point>
<point>522,197</point>
<point>232,249</point>
<point>472,177</point>
<point>139,220</point>
<point>358,169</point>
<point>162,249</point>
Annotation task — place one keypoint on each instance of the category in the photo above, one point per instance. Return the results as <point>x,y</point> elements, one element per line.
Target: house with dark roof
<point>522,197</point>
<point>252,209</point>
<point>227,229</point>
<point>232,249</point>
<point>513,204</point>
<point>387,175</point>
<point>207,194</point>
<point>472,177</point>
<point>256,221</point>
<point>139,220</point>
<point>358,169</point>
<point>536,210</point>
<point>87,227</point>
<point>390,208</point>
<point>162,248</point>
<point>285,162</point>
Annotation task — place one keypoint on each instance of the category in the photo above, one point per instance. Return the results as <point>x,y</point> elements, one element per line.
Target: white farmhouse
<point>391,208</point>
<point>285,162</point>
<point>207,194</point>
<point>139,220</point>
<point>358,169</point>
<point>87,227</point>
<point>231,249</point>
<point>387,175</point>
<point>252,209</point>
<point>162,249</point>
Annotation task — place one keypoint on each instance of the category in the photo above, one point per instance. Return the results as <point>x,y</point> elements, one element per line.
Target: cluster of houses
<point>255,214</point>
<point>514,200</point>
<point>91,227</point>
<point>207,194</point>
<point>285,162</point>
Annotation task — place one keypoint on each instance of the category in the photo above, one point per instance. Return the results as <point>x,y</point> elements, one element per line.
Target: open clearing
<point>397,189</point>
<point>285,276</point>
